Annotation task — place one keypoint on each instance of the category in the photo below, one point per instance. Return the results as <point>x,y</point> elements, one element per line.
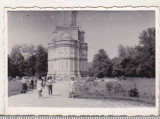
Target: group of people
<point>46,82</point>
<point>25,81</point>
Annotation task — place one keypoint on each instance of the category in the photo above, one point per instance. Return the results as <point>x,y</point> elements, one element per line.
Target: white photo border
<point>143,111</point>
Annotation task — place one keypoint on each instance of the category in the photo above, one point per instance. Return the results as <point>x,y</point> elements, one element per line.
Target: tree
<point>16,62</point>
<point>101,65</point>
<point>117,69</point>
<point>122,51</point>
<point>31,65</point>
<point>139,60</point>
<point>146,53</point>
<point>41,61</point>
<point>34,64</point>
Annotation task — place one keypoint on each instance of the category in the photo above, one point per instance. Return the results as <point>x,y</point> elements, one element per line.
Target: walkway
<point>60,99</point>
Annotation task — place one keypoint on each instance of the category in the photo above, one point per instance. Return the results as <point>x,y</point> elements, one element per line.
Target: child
<point>72,88</point>
<point>39,87</point>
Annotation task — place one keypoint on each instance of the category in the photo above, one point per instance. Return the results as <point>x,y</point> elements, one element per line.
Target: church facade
<point>67,52</point>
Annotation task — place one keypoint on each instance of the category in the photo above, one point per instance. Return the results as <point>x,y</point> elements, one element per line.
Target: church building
<point>67,52</point>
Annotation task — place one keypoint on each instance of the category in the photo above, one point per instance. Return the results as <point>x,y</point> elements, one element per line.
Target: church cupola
<point>66,36</point>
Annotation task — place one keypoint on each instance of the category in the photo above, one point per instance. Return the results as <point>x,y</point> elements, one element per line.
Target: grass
<point>15,87</point>
<point>105,88</point>
<point>111,88</point>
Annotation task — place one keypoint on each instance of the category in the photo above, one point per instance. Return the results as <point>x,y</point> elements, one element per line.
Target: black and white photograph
<point>81,59</point>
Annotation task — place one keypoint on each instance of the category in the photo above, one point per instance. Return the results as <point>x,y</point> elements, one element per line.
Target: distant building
<point>67,52</point>
<point>26,54</point>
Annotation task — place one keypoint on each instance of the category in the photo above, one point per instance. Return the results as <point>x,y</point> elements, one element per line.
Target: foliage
<point>101,65</point>
<point>27,60</point>
<point>90,79</point>
<point>146,54</point>
<point>133,92</point>
<point>109,86</point>
<point>41,62</point>
<point>114,87</point>
<point>16,62</point>
<point>10,78</point>
<point>18,78</point>
<point>138,61</point>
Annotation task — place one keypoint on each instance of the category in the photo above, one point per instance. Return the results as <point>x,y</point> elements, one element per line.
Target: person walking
<point>39,87</point>
<point>49,85</point>
<point>32,84</point>
<point>72,88</point>
<point>24,85</point>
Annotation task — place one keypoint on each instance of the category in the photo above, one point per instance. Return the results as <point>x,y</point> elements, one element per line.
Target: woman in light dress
<point>72,88</point>
<point>39,87</point>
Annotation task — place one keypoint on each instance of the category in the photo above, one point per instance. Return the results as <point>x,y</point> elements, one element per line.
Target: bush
<point>109,86</point>
<point>18,78</point>
<point>102,80</point>
<point>122,78</point>
<point>114,87</point>
<point>90,79</point>
<point>118,88</point>
<point>95,84</point>
<point>10,78</point>
<point>133,92</point>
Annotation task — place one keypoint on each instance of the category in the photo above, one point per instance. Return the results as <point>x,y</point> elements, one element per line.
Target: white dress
<point>39,85</point>
<point>72,86</point>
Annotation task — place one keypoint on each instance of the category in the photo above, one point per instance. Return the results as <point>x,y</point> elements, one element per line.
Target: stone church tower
<point>67,52</point>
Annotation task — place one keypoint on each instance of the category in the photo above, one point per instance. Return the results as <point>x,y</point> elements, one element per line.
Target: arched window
<point>71,65</point>
<point>51,65</point>
<point>62,64</point>
<point>66,64</point>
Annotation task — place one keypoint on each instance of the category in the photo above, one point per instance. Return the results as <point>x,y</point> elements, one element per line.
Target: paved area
<point>60,99</point>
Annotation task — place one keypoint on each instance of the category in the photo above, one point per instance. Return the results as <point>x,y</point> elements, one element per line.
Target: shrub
<point>118,88</point>
<point>85,87</point>
<point>109,86</point>
<point>95,84</point>
<point>10,78</point>
<point>102,80</point>
<point>133,92</point>
<point>90,79</point>
<point>18,78</point>
<point>122,78</point>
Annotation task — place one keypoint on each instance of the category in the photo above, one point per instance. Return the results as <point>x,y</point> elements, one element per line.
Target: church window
<point>71,65</point>
<point>51,65</point>
<point>66,64</point>
<point>66,52</point>
<point>62,64</point>
<point>71,52</point>
<point>83,65</point>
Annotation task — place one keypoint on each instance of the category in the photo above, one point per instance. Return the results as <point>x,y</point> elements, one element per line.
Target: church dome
<point>54,37</point>
<point>66,36</point>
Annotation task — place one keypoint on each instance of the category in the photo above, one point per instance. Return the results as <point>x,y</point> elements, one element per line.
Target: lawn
<point>105,88</point>
<point>118,89</point>
<point>15,87</point>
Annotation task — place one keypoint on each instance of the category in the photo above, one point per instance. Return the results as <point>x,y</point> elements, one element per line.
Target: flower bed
<point>142,90</point>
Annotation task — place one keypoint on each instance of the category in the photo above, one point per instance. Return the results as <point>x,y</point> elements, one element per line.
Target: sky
<point>103,29</point>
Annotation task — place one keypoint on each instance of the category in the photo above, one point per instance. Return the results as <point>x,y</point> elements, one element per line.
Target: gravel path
<point>60,99</point>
